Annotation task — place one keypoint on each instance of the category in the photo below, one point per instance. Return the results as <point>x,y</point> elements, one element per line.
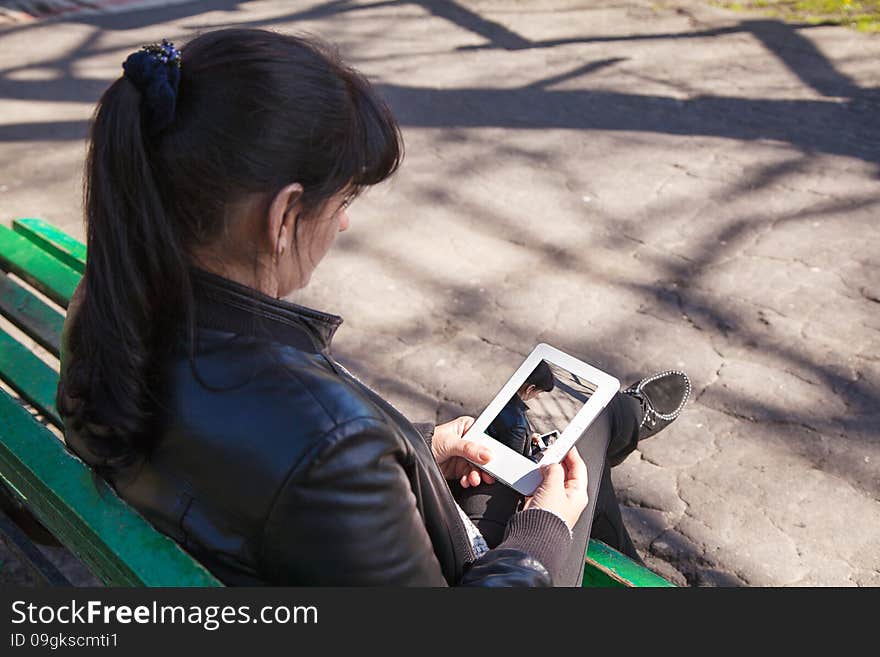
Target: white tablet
<point>539,414</point>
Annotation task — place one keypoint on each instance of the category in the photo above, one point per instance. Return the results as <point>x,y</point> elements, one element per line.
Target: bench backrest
<point>80,510</point>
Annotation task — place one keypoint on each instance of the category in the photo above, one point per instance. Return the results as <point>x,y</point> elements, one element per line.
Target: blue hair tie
<point>155,71</point>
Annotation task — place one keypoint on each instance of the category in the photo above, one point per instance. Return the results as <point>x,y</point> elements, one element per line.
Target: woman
<point>215,183</point>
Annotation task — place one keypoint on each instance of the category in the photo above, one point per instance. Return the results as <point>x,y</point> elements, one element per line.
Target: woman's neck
<point>260,278</point>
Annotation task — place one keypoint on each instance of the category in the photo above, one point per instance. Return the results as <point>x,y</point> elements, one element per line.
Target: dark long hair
<point>256,110</point>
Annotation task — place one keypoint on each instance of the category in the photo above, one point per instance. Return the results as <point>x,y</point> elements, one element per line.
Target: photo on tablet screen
<point>537,414</point>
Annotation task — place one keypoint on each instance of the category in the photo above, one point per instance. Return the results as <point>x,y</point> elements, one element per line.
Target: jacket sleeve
<point>348,517</point>
<point>426,431</point>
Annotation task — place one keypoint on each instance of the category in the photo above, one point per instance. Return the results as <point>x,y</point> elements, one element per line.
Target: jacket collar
<point>226,305</point>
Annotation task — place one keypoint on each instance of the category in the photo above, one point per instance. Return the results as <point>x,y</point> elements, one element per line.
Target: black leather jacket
<point>512,427</point>
<point>277,466</point>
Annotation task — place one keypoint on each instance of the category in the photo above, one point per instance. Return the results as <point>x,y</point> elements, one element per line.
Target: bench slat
<point>22,257</point>
<point>54,241</point>
<point>27,312</point>
<point>29,553</point>
<point>29,376</point>
<point>116,543</point>
<point>606,566</point>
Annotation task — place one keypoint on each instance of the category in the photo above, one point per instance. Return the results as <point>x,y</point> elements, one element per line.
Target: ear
<point>282,217</point>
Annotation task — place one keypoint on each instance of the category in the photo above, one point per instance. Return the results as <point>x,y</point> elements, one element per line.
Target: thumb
<point>554,476</point>
<point>470,450</point>
<point>465,422</point>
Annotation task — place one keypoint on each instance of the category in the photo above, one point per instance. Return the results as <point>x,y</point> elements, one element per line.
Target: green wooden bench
<point>59,490</point>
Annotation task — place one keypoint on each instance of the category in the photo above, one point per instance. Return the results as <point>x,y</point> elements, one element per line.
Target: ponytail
<point>136,286</point>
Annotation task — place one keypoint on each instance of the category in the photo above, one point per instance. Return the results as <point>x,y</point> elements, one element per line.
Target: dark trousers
<point>615,430</point>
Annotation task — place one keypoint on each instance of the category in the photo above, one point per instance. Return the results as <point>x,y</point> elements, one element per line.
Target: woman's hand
<point>564,489</point>
<point>451,453</point>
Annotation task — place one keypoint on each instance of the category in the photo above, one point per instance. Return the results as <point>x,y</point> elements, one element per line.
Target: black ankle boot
<point>662,397</point>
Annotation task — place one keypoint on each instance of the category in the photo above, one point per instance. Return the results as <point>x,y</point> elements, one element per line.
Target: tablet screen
<point>539,411</point>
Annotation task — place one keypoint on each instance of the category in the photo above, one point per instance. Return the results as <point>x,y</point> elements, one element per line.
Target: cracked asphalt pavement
<point>644,185</point>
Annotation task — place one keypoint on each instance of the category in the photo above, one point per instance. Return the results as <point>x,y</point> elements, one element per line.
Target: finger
<point>464,481</point>
<point>474,477</point>
<point>471,450</point>
<point>463,468</point>
<point>484,477</point>
<point>576,470</point>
